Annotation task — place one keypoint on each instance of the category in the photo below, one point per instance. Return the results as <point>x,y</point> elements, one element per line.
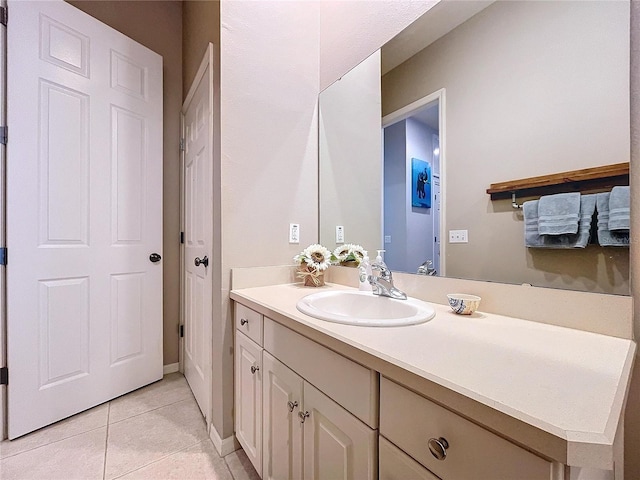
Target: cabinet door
<point>282,432</point>
<point>248,398</point>
<point>337,445</point>
<point>396,465</point>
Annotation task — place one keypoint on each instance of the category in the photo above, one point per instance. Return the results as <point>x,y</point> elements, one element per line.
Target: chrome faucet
<point>383,284</point>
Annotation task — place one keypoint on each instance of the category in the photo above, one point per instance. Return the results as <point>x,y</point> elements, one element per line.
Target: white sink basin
<point>365,309</point>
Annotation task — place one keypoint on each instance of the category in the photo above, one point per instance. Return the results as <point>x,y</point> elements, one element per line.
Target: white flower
<point>358,252</point>
<point>349,252</point>
<point>342,252</point>
<point>315,256</point>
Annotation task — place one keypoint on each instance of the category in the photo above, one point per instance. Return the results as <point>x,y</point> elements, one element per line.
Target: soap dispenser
<point>364,271</point>
<point>379,257</point>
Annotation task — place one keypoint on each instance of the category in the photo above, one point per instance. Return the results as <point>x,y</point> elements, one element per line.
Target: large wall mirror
<point>475,93</point>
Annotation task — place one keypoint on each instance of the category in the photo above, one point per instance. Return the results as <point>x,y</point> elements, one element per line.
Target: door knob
<point>154,257</point>
<point>204,261</point>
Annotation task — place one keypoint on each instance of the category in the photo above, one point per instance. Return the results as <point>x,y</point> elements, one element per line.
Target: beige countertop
<point>568,384</point>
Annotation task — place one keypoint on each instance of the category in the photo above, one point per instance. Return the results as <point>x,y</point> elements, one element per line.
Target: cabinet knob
<point>254,368</point>
<point>243,321</point>
<point>303,416</point>
<point>292,405</point>
<point>438,447</point>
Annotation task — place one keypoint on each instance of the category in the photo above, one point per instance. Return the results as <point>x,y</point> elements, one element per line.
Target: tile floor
<point>156,432</point>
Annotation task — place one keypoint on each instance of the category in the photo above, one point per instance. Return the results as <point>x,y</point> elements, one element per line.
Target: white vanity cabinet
<point>306,431</point>
<point>248,388</point>
<point>420,417</point>
<point>316,413</point>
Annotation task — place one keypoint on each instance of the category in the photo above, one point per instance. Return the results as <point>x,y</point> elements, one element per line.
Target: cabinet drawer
<point>397,465</point>
<point>249,322</point>
<point>346,382</point>
<point>473,453</point>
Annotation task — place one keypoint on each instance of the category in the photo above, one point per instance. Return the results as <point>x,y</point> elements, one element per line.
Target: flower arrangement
<point>349,255</point>
<point>313,261</point>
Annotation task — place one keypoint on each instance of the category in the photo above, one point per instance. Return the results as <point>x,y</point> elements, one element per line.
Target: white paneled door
<point>84,214</point>
<point>198,232</point>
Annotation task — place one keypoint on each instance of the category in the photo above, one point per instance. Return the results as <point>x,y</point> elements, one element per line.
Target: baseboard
<point>171,368</point>
<point>226,446</point>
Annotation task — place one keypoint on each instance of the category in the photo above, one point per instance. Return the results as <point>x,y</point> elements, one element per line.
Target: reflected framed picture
<point>420,183</point>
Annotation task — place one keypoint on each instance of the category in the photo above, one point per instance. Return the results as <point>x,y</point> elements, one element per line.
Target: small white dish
<point>463,304</point>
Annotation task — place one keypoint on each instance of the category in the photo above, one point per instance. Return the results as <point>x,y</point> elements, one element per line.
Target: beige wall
<point>158,26</point>
<point>362,27</point>
<point>632,420</point>
<point>531,88</point>
<point>350,189</point>
<point>200,25</point>
<point>269,141</point>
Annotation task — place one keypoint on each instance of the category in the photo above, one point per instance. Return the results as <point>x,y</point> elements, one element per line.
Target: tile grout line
<point>226,464</point>
<point>106,444</point>
<point>51,443</point>
<point>158,460</point>
<point>151,410</point>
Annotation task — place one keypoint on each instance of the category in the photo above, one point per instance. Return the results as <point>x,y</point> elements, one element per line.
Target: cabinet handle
<point>303,416</point>
<point>254,369</point>
<point>292,405</point>
<point>243,321</point>
<point>438,447</point>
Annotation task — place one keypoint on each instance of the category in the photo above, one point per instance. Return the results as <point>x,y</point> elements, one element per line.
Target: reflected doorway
<point>412,185</point>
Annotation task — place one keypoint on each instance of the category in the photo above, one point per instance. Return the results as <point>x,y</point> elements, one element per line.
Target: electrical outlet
<point>294,233</point>
<point>458,236</point>
<point>387,239</point>
<point>339,234</point>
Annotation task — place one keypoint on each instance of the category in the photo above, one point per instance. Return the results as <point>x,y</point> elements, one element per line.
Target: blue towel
<point>531,236</point>
<point>606,237</point>
<point>559,214</point>
<point>619,202</point>
<point>580,239</point>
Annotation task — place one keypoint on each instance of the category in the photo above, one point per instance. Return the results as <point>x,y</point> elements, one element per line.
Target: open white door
<point>197,131</point>
<point>84,214</point>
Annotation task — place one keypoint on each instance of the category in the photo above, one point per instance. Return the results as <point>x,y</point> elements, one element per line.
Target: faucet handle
<point>383,269</point>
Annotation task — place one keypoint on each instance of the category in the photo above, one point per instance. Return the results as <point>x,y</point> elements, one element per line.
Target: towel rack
<point>586,179</point>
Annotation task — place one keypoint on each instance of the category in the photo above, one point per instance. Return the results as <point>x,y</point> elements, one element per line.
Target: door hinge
<point>4,376</point>
<point>181,331</point>
<point>4,135</point>
<point>181,237</point>
<point>182,144</point>
<point>4,15</point>
<point>3,256</point>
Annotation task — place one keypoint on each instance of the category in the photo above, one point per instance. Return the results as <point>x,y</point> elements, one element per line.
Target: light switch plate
<point>458,236</point>
<point>339,234</point>
<point>294,233</point>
